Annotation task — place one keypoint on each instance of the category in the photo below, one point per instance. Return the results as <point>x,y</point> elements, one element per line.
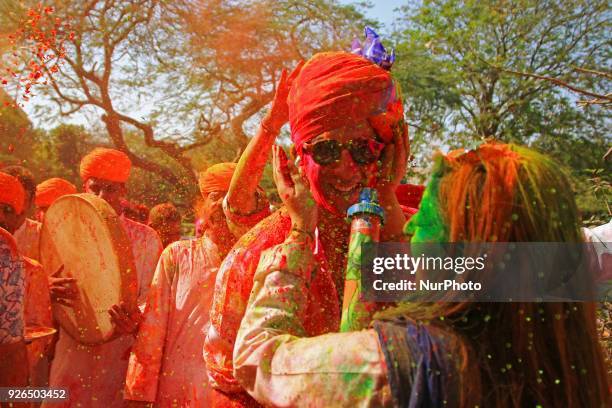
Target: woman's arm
<point>274,361</point>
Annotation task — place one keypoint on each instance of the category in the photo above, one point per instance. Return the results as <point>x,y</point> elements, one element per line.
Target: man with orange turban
<point>40,288</point>
<point>95,374</point>
<point>348,132</point>
<point>50,190</point>
<point>37,301</point>
<point>166,365</point>
<point>12,199</point>
<point>216,186</point>
<point>27,234</point>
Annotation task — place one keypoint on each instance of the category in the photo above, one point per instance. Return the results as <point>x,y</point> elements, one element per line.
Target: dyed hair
<point>163,214</point>
<point>513,354</point>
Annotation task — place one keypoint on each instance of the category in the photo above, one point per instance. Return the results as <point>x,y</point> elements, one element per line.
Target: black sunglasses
<point>363,151</point>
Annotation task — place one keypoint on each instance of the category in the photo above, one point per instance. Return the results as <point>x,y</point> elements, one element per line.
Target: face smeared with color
<point>213,219</point>
<point>428,224</point>
<point>336,186</point>
<point>110,191</point>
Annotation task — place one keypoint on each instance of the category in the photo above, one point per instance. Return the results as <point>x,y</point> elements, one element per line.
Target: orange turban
<point>106,164</point>
<point>50,190</point>
<point>12,192</point>
<point>216,178</point>
<point>334,89</point>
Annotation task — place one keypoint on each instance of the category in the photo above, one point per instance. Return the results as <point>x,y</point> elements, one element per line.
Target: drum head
<point>83,233</point>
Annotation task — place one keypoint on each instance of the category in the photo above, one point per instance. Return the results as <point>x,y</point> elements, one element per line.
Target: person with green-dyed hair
<point>439,354</point>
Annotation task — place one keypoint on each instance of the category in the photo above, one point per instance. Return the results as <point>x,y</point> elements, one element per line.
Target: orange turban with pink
<point>11,192</point>
<point>50,190</point>
<point>216,178</point>
<point>106,164</point>
<point>334,89</point>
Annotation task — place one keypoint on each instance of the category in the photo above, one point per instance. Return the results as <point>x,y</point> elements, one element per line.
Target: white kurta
<point>95,375</point>
<point>166,365</point>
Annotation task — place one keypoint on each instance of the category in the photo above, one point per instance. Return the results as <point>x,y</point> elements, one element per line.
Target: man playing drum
<point>48,191</point>
<point>95,374</point>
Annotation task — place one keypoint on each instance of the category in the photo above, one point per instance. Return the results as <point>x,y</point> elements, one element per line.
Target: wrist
<point>302,237</point>
<point>270,127</point>
<point>386,193</point>
<point>306,226</point>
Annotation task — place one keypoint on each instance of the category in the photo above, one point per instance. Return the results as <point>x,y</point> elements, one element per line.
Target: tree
<point>15,131</point>
<point>243,46</point>
<point>149,66</point>
<point>456,59</point>
<point>68,144</point>
<point>457,51</point>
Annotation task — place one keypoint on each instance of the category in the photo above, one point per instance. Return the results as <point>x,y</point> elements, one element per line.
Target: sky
<point>382,10</point>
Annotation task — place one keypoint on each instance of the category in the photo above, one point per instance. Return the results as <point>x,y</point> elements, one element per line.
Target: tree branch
<point>560,83</point>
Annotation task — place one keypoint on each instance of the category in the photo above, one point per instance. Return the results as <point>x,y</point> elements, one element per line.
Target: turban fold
<point>334,89</point>
<point>12,192</point>
<point>50,190</point>
<point>106,164</point>
<point>216,178</point>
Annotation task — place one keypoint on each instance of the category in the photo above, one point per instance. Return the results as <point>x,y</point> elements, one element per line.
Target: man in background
<point>95,374</point>
<point>166,220</point>
<point>48,191</point>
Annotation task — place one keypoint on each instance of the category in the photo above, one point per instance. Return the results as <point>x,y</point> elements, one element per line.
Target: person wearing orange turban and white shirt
<point>166,366</point>
<point>95,375</point>
<point>37,301</point>
<point>48,191</point>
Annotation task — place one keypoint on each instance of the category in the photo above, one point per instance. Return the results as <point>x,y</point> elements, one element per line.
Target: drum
<point>83,233</point>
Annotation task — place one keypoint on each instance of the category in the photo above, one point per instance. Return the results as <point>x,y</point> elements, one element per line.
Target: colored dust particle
<point>36,52</point>
<point>363,389</point>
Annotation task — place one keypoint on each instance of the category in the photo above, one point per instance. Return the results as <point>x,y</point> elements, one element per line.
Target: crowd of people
<point>248,313</point>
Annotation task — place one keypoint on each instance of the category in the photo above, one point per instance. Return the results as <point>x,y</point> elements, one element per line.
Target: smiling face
<point>110,191</point>
<point>336,186</point>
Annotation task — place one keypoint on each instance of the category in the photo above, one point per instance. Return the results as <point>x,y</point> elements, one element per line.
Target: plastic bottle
<point>366,216</point>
